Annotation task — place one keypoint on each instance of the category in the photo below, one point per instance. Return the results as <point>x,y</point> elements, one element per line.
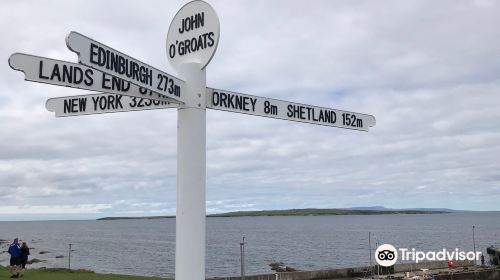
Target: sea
<point>147,247</point>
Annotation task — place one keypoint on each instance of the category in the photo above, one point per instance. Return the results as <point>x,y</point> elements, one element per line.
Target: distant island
<point>308,212</point>
<point>136,218</point>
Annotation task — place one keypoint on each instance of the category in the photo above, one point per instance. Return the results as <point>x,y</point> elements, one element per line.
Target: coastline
<point>297,212</point>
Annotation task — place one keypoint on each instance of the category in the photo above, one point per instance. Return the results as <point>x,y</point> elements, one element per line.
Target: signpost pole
<point>191,173</point>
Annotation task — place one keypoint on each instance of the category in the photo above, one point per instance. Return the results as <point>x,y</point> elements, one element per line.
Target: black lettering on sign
<point>321,117</point>
<point>56,73</point>
<point>114,83</point>
<point>233,101</point>
<point>192,45</point>
<point>327,116</point>
<point>111,102</point>
<point>88,77</point>
<point>105,79</point>
<point>40,71</point>
<point>83,104</point>
<point>308,112</point>
<point>68,105</point>
<point>139,102</point>
<point>296,111</point>
<point>351,120</point>
<point>140,105</point>
<point>119,84</point>
<point>253,101</point>
<point>223,99</point>
<point>118,101</point>
<point>171,88</point>
<point>95,99</point>
<point>108,102</point>
<point>270,109</point>
<point>211,39</point>
<point>230,101</point>
<point>312,114</point>
<point>75,105</point>
<point>72,74</point>
<point>192,22</point>
<point>103,103</point>
<point>133,103</point>
<point>67,76</point>
<point>93,54</point>
<point>239,103</point>
<point>77,75</point>
<point>215,98</point>
<point>301,112</point>
<point>135,71</point>
<point>119,64</point>
<point>162,83</point>
<point>289,113</point>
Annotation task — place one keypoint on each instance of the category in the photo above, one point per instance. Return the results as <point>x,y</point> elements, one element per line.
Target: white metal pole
<point>191,173</point>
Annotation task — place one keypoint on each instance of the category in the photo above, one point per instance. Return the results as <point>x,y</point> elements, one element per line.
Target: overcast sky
<point>429,71</point>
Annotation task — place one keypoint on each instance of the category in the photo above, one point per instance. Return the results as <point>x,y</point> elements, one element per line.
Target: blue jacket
<point>14,250</point>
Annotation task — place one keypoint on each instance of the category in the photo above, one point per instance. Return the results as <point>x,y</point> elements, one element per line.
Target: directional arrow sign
<point>279,109</point>
<point>113,62</point>
<point>62,73</point>
<point>102,103</point>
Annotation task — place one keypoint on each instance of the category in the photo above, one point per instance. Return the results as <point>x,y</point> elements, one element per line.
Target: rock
<point>59,256</point>
<point>32,261</point>
<point>276,264</point>
<point>280,267</point>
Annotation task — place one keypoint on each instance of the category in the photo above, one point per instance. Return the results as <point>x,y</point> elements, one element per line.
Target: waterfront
<point>147,247</point>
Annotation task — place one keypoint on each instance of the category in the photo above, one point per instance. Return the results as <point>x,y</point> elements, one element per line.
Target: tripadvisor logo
<point>387,255</point>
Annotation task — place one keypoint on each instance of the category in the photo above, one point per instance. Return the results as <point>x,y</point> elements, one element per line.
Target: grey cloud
<point>427,71</point>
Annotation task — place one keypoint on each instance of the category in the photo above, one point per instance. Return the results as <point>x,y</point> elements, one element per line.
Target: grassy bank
<point>321,212</point>
<point>65,274</point>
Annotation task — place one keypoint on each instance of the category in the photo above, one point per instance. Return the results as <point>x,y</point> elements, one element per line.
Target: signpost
<point>101,103</point>
<point>193,35</point>
<point>191,43</point>
<point>115,63</point>
<point>192,39</point>
<point>62,73</point>
<point>285,110</point>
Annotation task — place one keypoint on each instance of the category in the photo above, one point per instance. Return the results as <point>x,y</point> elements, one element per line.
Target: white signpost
<point>193,35</point>
<point>192,39</point>
<point>68,74</point>
<point>272,108</point>
<point>102,103</point>
<point>115,63</point>
<point>191,43</point>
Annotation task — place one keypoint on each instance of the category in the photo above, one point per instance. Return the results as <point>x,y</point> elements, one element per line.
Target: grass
<point>66,274</point>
